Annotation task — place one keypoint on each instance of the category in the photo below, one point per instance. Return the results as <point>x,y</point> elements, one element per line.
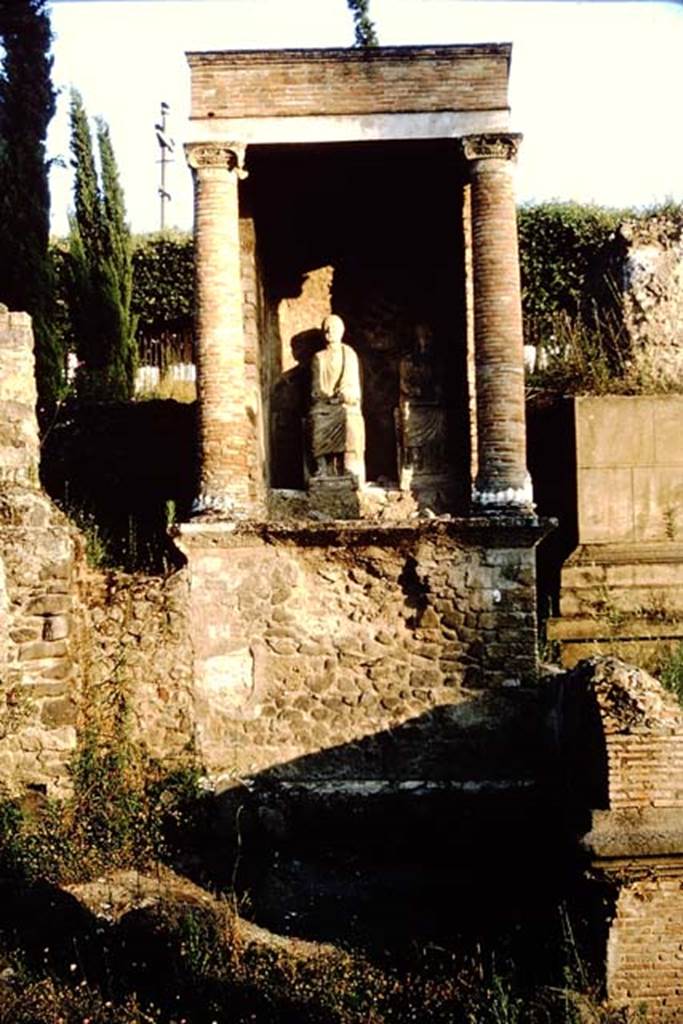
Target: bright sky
<point>596,85</point>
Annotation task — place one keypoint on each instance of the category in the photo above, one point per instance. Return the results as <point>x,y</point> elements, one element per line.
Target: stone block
<point>668,416</point>
<point>605,505</point>
<point>658,503</point>
<point>614,431</point>
<point>38,649</point>
<point>55,627</point>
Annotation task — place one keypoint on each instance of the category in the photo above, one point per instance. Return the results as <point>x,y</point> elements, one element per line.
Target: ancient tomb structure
<point>339,181</point>
<point>363,549</point>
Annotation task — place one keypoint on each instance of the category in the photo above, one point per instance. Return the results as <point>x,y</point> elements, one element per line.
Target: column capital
<point>228,156</point>
<point>491,146</point>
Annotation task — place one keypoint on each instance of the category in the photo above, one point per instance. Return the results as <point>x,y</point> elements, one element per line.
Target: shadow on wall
<point>352,845</point>
<point>290,402</point>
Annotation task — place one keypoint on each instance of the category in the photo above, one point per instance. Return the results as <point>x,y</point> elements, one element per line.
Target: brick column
<point>502,478</point>
<point>226,434</point>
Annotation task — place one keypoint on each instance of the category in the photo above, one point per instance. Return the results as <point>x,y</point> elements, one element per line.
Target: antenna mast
<point>166,146</point>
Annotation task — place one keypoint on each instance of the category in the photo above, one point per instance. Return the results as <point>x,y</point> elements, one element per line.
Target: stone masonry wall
<point>652,283</point>
<point>39,551</point>
<point>358,652</point>
<point>19,448</point>
<point>138,648</point>
<point>40,680</point>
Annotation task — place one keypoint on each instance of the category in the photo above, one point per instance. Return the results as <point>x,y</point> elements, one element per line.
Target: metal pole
<point>166,146</point>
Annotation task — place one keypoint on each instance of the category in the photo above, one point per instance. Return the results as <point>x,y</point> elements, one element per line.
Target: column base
<point>225,506</point>
<point>492,498</point>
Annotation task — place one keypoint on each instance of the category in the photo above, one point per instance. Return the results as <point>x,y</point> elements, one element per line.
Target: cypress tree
<point>118,254</point>
<point>364,29</point>
<point>27,105</point>
<point>100,278</point>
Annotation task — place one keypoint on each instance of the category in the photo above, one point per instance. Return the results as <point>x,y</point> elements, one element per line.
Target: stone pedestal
<point>334,498</point>
<point>313,637</point>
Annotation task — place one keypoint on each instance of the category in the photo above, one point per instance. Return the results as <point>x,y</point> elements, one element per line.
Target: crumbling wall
<point>643,729</point>
<point>19,447</point>
<point>652,282</point>
<point>39,555</point>
<point>635,840</point>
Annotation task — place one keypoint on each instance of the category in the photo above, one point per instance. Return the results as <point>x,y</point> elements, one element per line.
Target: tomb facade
<point>362,549</point>
<point>376,187</point>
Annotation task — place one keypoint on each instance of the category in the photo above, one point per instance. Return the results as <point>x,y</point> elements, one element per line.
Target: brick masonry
<point>502,477</point>
<point>309,82</point>
<point>636,838</point>
<point>645,946</point>
<point>226,431</point>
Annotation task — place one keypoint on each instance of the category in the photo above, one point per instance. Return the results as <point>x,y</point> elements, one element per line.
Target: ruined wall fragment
<point>652,283</point>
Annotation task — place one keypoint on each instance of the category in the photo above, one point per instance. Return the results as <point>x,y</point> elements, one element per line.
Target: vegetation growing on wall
<point>570,262</point>
<point>27,105</point>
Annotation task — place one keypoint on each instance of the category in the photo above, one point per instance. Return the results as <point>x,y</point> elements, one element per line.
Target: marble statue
<point>337,429</point>
<point>421,414</point>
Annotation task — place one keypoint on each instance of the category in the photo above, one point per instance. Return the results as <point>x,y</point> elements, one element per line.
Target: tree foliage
<point>566,260</point>
<point>100,271</point>
<point>163,282</point>
<point>27,105</point>
<point>364,28</point>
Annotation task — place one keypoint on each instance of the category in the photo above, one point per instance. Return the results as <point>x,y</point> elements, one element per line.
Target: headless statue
<point>421,417</point>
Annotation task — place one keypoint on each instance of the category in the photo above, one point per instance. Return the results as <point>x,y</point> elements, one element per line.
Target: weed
<point>670,514</point>
<point>671,672</point>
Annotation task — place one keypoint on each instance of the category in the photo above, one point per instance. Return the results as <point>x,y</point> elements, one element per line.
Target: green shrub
<point>671,672</point>
<point>567,266</point>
